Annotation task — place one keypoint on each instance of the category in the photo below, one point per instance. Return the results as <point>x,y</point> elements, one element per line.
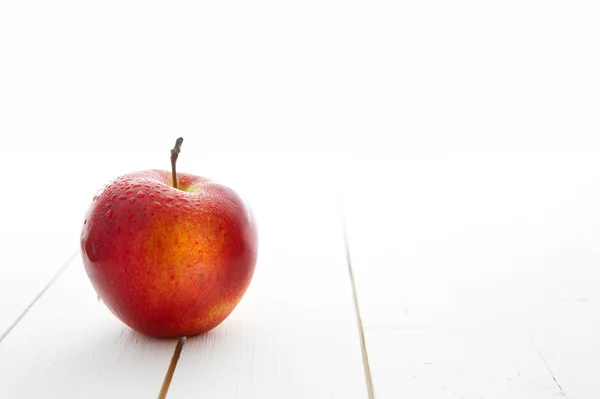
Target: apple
<point>169,254</point>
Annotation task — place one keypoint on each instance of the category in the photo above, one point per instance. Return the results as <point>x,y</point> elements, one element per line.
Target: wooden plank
<point>294,335</point>
<point>502,249</point>
<point>26,268</point>
<point>565,331</point>
<point>436,363</point>
<point>68,345</point>
<point>37,234</point>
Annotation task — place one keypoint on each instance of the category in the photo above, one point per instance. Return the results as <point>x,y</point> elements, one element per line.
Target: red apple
<point>169,262</point>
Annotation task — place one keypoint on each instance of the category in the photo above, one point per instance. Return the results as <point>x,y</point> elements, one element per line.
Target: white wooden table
<point>477,279</point>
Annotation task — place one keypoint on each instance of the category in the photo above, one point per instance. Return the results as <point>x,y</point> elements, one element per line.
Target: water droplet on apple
<point>140,194</point>
<point>147,186</point>
<point>169,198</point>
<point>109,214</point>
<point>129,192</point>
<point>156,204</point>
<point>122,198</point>
<point>85,221</point>
<point>137,185</point>
<point>168,205</point>
<point>132,200</point>
<point>92,250</point>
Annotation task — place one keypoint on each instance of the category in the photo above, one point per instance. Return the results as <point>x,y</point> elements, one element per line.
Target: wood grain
<point>492,252</point>
<point>68,345</point>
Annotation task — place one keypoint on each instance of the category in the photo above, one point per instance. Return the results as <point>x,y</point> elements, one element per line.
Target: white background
<point>311,77</point>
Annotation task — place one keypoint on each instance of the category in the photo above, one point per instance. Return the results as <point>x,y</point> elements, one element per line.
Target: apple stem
<point>174,154</point>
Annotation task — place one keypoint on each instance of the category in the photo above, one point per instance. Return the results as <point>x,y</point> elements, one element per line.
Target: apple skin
<point>169,262</point>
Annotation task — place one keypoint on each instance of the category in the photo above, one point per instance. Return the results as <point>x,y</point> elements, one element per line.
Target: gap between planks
<point>38,296</point>
<point>171,370</point>
<point>361,332</point>
<point>562,392</point>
